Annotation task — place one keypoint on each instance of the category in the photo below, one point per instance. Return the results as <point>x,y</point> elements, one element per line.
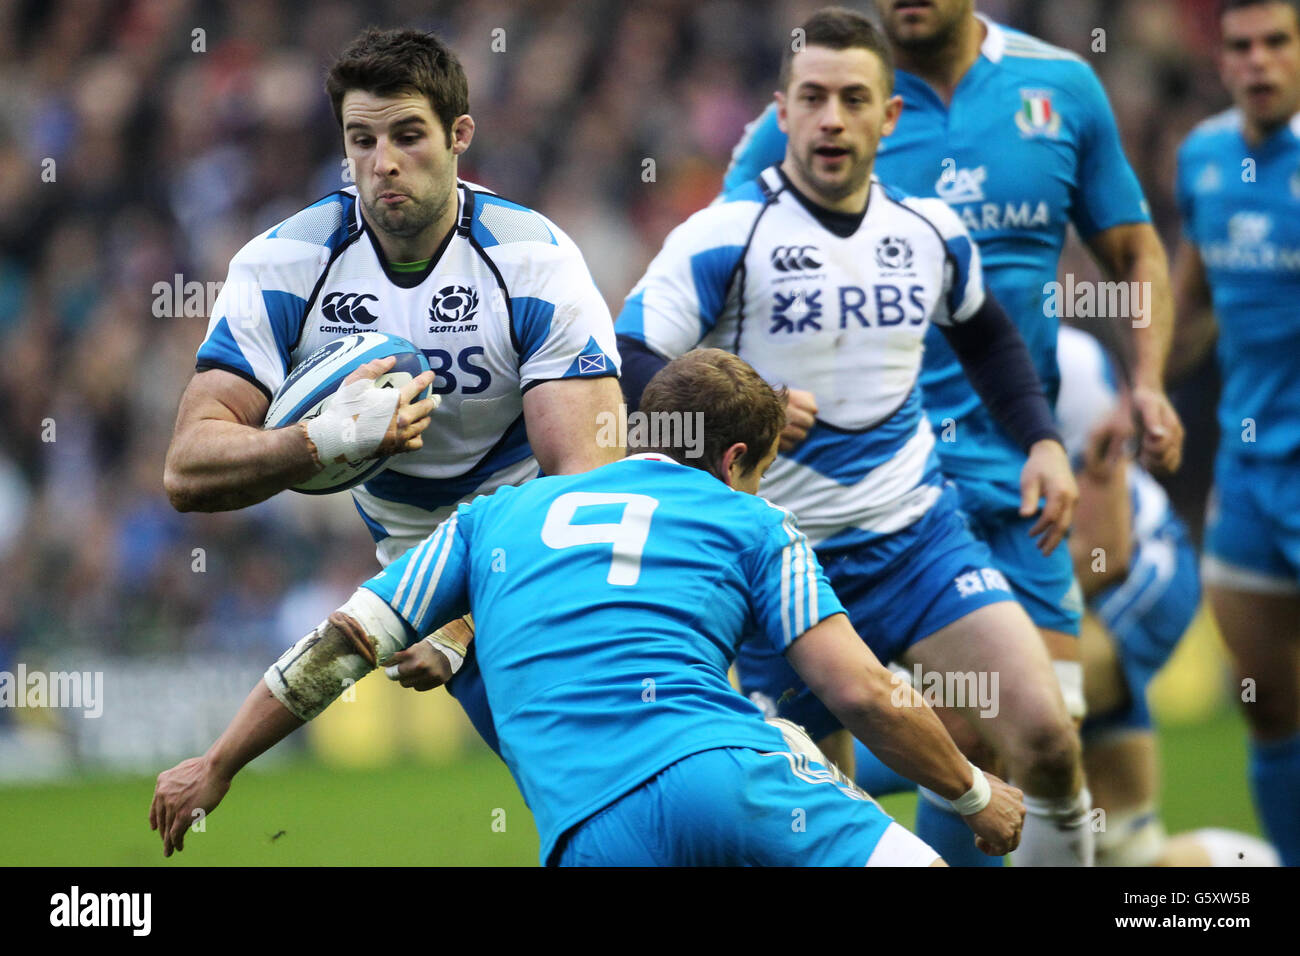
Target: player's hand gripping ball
<point>347,423</point>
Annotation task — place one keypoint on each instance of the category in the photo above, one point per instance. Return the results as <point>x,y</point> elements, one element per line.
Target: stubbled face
<point>921,24</point>
<point>834,111</point>
<point>749,481</point>
<point>404,170</point>
<point>1260,61</point>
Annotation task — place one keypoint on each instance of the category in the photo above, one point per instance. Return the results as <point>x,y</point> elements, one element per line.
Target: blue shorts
<point>1044,585</point>
<point>737,807</point>
<point>898,589</point>
<point>1146,614</point>
<point>1252,533</point>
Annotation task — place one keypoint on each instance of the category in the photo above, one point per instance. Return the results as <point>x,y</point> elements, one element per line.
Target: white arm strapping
<point>310,675</point>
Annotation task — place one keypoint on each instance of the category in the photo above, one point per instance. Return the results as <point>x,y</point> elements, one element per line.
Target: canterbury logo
<point>349,307</point>
<point>791,258</point>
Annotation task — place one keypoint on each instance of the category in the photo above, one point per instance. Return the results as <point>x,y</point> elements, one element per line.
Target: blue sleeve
<point>761,145</point>
<point>996,360</point>
<point>788,589</point>
<point>429,585</point>
<point>640,365</point>
<point>1107,192</point>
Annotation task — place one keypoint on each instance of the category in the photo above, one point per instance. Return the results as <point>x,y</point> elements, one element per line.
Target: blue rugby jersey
<point>608,607</point>
<point>1241,209</point>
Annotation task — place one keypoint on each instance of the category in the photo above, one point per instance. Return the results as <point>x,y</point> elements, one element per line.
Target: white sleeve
<point>687,287</point>
<point>963,285</point>
<point>257,316</point>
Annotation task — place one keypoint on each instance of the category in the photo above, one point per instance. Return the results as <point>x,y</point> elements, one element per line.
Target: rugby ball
<point>313,381</point>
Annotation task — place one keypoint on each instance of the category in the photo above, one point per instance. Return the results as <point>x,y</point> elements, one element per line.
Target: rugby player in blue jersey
<point>1239,193</point>
<point>1136,566</point>
<point>1017,137</point>
<point>825,279</point>
<point>608,606</point>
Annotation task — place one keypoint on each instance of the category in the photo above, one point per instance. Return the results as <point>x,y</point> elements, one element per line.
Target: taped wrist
<point>976,798</point>
<point>454,651</point>
<point>341,650</point>
<point>353,423</point>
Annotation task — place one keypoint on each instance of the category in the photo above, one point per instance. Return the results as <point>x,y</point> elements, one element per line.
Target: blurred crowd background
<point>145,140</point>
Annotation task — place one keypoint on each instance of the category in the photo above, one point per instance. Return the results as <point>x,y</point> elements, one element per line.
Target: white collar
<point>995,41</point>
<point>650,456</point>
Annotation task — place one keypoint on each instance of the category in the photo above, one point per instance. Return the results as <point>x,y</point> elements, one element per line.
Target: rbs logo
<point>884,306</point>
<point>441,362</point>
<point>890,308</point>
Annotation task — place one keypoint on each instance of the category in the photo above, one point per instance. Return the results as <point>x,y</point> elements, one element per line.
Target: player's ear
<point>731,470</point>
<point>462,131</point>
<point>781,115</point>
<point>893,109</point>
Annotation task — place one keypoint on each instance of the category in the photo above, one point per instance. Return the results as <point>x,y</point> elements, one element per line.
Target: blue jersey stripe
<point>848,457</point>
<point>377,531</point>
<point>631,321</point>
<point>434,493</point>
<point>712,270</point>
<point>286,312</point>
<point>219,348</point>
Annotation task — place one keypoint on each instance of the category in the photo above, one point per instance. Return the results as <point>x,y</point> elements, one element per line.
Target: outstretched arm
<point>299,686</point>
<point>899,727</point>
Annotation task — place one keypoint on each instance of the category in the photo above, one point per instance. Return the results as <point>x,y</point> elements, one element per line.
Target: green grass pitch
<point>465,813</point>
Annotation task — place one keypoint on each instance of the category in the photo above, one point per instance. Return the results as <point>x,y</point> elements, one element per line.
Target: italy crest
<point>1036,116</point>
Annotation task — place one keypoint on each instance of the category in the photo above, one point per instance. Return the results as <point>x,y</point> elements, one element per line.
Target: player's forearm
<point>261,723</point>
<point>222,466</point>
<point>1194,326</point>
<point>1153,329</point>
<point>900,728</point>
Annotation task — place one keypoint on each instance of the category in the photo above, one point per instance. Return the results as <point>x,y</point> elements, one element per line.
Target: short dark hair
<point>839,29</point>
<point>389,62</point>
<point>1226,5</point>
<point>738,406</point>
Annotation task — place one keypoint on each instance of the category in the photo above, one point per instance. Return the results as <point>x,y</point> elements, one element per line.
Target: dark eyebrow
<point>810,86</point>
<point>407,121</point>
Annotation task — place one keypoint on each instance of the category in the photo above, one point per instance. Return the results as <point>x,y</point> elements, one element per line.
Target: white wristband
<point>454,653</point>
<point>976,798</point>
<point>353,422</point>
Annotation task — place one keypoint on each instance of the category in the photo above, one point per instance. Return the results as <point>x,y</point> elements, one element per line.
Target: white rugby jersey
<point>506,303</point>
<point>844,318</point>
<point>1090,393</point>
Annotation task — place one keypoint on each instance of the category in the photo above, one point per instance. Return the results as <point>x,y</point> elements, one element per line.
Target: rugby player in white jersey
<point>826,282</point>
<point>499,299</point>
